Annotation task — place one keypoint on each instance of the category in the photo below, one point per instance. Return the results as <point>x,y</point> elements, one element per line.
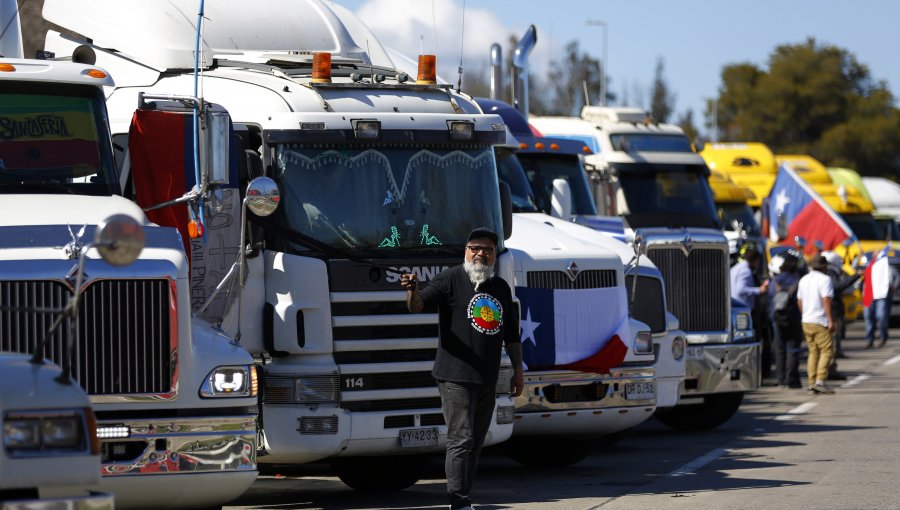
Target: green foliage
<point>813,99</point>
<point>662,101</point>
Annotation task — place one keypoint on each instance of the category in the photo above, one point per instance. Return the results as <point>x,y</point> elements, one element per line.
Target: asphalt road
<point>784,449</point>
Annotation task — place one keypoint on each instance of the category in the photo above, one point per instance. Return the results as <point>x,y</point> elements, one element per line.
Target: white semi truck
<point>380,173</point>
<point>150,369</point>
<point>649,174</point>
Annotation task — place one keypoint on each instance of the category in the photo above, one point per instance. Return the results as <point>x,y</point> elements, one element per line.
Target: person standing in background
<point>786,318</point>
<point>814,294</point>
<point>880,282</point>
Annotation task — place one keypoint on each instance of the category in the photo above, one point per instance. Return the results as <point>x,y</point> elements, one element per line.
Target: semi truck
<point>379,173</point>
<point>145,362</point>
<point>649,174</point>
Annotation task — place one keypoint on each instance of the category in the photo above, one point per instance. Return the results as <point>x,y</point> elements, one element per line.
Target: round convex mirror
<point>262,196</point>
<point>119,239</point>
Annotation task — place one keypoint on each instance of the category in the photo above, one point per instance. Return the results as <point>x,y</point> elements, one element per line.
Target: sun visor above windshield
<point>162,34</point>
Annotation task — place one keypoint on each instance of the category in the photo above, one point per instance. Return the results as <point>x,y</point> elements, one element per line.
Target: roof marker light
<point>321,68</point>
<point>461,130</point>
<point>585,149</point>
<point>427,71</point>
<point>95,73</point>
<point>539,146</point>
<point>554,146</point>
<point>523,145</point>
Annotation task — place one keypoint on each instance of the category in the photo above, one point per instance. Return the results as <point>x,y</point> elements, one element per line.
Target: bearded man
<point>476,316</point>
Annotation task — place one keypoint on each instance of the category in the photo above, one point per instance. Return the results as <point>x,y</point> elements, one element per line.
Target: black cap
<point>483,232</point>
<point>819,263</point>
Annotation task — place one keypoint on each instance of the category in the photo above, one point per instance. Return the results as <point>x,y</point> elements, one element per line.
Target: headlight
<point>231,381</point>
<point>678,348</point>
<point>33,433</point>
<point>643,343</point>
<point>316,389</point>
<point>742,320</point>
<point>504,380</point>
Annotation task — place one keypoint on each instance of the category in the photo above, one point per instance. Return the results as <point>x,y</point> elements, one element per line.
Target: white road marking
<point>856,380</point>
<point>893,360</point>
<point>793,413</point>
<point>698,463</point>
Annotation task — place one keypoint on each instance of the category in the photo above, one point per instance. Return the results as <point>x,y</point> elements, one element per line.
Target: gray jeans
<point>468,409</point>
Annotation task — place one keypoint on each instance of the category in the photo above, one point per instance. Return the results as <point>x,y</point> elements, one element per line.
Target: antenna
<point>587,97</point>
<point>371,69</point>
<point>462,42</point>
<point>421,44</point>
<point>434,26</point>
<point>197,108</point>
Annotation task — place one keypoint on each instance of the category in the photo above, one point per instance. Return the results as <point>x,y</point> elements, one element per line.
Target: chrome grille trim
<point>696,285</point>
<point>649,305</point>
<point>124,342</point>
<point>589,279</point>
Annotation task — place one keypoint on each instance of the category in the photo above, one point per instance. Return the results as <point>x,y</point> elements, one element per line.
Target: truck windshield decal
<point>367,200</point>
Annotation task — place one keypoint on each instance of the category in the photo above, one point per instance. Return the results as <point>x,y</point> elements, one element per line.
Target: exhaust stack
<point>520,70</point>
<point>496,71</point>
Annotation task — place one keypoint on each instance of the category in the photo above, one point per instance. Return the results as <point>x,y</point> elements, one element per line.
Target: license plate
<point>640,390</point>
<point>416,438</point>
<point>694,352</point>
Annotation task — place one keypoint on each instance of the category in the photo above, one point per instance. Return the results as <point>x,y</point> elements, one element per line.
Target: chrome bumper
<point>565,390</point>
<point>721,368</point>
<point>94,501</point>
<point>178,445</point>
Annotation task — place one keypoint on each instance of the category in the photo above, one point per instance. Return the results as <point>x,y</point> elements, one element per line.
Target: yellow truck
<point>751,165</point>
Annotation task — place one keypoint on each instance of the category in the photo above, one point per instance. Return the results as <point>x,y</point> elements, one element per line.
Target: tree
<point>686,122</point>
<point>662,101</point>
<point>567,79</point>
<point>813,99</point>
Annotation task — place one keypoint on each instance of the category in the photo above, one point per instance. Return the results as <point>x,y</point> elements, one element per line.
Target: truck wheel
<point>547,452</point>
<point>381,474</point>
<point>714,411</point>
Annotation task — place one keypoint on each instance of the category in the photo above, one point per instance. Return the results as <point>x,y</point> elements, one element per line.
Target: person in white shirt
<point>814,294</point>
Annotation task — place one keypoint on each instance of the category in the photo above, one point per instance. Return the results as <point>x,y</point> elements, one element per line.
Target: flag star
<point>781,200</point>
<point>528,328</point>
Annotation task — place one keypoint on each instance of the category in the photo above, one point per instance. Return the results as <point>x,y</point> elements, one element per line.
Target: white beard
<point>478,272</point>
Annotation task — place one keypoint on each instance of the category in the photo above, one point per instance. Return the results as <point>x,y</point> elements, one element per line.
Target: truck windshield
<point>889,227</point>
<point>738,216</point>
<point>672,196</point>
<point>54,139</point>
<point>864,227</point>
<point>650,142</point>
<point>385,200</point>
<point>542,169</point>
<point>511,173</point>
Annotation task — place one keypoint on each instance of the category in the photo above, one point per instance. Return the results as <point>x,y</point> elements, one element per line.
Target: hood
<point>535,239</point>
<point>75,210</point>
<point>26,386</point>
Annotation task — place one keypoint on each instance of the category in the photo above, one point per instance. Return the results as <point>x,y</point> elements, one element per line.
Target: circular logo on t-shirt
<point>486,314</point>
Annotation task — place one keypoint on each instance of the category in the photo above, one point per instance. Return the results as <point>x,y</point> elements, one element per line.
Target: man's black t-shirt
<point>473,326</point>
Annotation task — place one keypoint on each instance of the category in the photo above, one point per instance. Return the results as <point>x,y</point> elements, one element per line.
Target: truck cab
<point>139,355</point>
<point>378,173</point>
<point>649,174</point>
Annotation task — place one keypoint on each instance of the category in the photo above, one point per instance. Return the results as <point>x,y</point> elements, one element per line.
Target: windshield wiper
<point>38,185</point>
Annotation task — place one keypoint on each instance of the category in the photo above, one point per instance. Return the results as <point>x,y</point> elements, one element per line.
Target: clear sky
<point>695,38</point>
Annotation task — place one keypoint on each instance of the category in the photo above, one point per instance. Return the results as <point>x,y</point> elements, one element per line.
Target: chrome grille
<point>122,344</point>
<point>648,306</point>
<point>696,286</point>
<point>590,279</point>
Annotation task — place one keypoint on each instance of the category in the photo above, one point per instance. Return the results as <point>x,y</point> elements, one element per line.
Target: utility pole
<point>604,62</point>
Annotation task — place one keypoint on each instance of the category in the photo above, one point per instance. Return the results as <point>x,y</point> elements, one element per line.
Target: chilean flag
<point>572,329</point>
<point>795,209</point>
<point>877,277</point>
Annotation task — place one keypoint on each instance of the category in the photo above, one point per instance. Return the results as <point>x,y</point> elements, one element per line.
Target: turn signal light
<point>7,68</point>
<point>585,149</point>
<point>321,71</point>
<point>427,72</point>
<point>195,229</point>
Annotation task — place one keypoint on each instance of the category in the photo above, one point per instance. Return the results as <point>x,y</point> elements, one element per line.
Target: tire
<point>549,452</point>
<point>714,411</point>
<point>381,474</point>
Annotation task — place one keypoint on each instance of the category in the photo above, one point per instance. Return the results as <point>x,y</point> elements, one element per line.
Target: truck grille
<point>696,286</point>
<point>648,306</point>
<point>590,279</point>
<point>368,332</point>
<point>122,344</point>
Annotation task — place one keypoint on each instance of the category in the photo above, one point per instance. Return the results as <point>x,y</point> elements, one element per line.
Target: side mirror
<point>119,239</point>
<point>506,209</point>
<point>561,201</point>
<point>263,196</point>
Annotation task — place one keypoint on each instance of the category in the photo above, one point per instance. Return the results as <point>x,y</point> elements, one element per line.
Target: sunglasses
<point>487,250</point>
